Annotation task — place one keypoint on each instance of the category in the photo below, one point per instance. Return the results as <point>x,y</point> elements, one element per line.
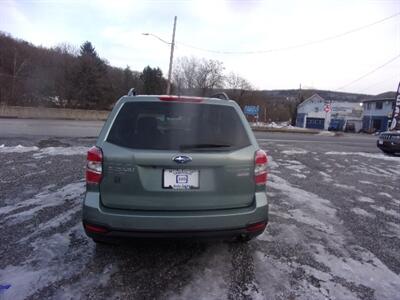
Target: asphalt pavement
<point>334,229</point>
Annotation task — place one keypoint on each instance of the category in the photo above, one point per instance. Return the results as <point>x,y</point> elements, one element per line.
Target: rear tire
<point>243,239</point>
<point>101,242</point>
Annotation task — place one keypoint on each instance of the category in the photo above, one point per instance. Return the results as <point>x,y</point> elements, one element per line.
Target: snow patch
<point>326,133</point>
<point>385,195</point>
<point>299,175</point>
<point>17,149</point>
<point>297,168</point>
<point>47,265</point>
<point>368,155</point>
<point>347,187</point>
<point>365,199</point>
<point>211,278</point>
<point>369,271</point>
<point>390,212</point>
<point>51,151</point>
<point>294,152</point>
<point>40,201</point>
<point>366,182</point>
<point>362,212</point>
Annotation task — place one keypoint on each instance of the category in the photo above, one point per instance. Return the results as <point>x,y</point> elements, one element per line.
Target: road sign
<point>251,110</point>
<point>395,125</point>
<point>327,108</point>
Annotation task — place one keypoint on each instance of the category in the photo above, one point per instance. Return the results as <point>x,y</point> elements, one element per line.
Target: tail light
<point>260,170</point>
<point>94,167</point>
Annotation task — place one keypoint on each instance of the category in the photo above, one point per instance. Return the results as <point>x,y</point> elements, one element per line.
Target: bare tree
<point>235,82</point>
<point>198,74</point>
<point>210,75</point>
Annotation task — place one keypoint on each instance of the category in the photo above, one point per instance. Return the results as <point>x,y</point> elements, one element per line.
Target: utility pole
<point>171,57</point>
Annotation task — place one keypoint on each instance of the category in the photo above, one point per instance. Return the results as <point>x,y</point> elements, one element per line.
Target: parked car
<point>389,142</point>
<point>336,125</point>
<point>171,167</point>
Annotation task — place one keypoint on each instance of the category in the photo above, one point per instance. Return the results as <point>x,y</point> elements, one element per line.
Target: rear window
<point>178,126</point>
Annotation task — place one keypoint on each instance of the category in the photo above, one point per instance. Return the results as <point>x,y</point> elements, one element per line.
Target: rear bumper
<point>173,224</point>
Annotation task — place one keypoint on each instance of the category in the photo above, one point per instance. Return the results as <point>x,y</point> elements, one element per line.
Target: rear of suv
<point>171,167</point>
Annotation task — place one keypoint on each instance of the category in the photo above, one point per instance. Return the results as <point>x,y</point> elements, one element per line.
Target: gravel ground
<point>334,231</point>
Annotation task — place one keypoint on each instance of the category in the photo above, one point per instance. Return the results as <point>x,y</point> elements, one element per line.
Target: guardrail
<point>52,113</point>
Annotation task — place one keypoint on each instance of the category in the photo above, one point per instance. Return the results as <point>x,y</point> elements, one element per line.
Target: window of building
<point>316,109</point>
<point>379,105</point>
<point>393,104</point>
<point>368,107</point>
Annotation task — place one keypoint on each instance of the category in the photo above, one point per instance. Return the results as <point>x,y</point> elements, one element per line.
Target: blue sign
<point>251,110</point>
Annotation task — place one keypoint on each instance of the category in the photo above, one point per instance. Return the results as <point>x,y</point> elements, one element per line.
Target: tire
<point>243,239</point>
<point>101,242</point>
<point>388,152</point>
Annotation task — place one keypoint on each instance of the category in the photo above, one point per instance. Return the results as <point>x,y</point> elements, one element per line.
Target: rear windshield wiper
<point>204,146</point>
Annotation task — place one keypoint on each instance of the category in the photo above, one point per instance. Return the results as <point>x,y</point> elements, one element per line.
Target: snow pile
<point>17,149</point>
<point>365,154</point>
<point>48,151</point>
<point>51,151</point>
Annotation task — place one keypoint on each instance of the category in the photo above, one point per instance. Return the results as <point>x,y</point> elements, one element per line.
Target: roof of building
<point>379,100</point>
<point>335,99</point>
<point>387,96</point>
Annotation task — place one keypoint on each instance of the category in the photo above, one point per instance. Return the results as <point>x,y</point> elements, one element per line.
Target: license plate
<point>380,142</point>
<point>180,179</point>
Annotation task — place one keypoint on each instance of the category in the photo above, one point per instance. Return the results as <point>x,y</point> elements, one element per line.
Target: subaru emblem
<point>181,159</point>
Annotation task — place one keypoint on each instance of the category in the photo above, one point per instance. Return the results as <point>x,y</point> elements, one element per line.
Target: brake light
<point>95,229</point>
<point>94,167</point>
<point>260,226</point>
<point>181,99</point>
<point>260,170</point>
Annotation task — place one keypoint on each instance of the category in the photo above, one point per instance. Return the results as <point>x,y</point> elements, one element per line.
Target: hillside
<point>329,95</point>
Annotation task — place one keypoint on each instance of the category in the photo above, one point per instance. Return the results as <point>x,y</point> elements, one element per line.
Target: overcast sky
<point>115,27</point>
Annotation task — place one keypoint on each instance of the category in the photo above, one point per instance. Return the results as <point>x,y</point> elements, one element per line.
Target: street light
<point>171,56</point>
<point>157,37</point>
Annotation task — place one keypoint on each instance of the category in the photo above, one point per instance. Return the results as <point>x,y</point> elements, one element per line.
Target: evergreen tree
<point>153,81</point>
<point>91,78</point>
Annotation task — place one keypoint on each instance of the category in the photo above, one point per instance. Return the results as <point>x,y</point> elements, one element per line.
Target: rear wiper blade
<point>204,146</point>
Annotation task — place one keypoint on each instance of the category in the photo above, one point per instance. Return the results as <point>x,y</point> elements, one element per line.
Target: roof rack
<point>222,96</point>
<point>132,92</point>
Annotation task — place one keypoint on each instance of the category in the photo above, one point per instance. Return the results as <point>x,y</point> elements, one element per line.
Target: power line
<point>370,72</point>
<point>378,83</point>
<point>293,46</point>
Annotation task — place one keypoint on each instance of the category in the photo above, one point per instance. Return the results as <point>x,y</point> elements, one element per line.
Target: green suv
<point>171,167</point>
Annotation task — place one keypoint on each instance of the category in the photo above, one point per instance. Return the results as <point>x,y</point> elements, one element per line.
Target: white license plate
<point>180,179</point>
<point>380,142</point>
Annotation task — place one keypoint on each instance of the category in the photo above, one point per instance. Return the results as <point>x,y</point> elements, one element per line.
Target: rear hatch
<point>177,156</point>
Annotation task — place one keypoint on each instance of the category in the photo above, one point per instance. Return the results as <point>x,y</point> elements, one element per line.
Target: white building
<point>319,113</point>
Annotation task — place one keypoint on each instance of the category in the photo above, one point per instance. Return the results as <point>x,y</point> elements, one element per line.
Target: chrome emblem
<point>181,159</point>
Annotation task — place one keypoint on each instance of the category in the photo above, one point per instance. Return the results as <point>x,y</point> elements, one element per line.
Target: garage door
<point>317,123</point>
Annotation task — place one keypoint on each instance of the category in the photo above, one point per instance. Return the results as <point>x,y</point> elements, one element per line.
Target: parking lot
<point>334,230</point>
